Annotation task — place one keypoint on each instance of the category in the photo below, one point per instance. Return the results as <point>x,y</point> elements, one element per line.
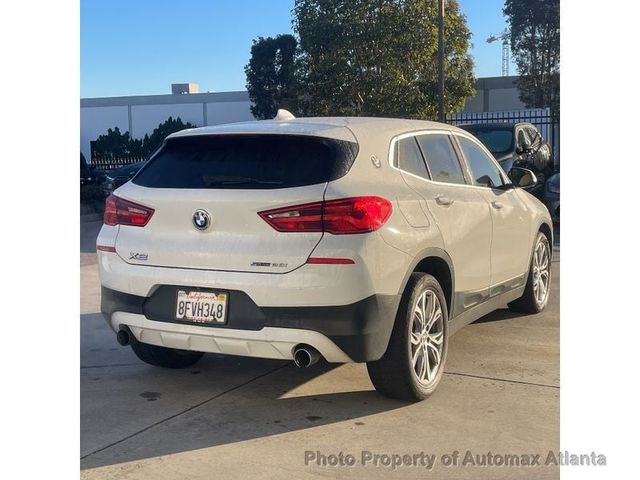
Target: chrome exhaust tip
<point>304,356</point>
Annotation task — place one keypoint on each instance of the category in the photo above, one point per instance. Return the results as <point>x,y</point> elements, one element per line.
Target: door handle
<point>496,204</point>
<point>442,200</point>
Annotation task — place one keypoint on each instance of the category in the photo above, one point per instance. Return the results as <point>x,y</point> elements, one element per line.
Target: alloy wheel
<point>427,336</point>
<point>541,272</point>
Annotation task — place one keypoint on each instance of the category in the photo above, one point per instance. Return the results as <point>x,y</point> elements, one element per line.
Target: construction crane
<point>504,36</point>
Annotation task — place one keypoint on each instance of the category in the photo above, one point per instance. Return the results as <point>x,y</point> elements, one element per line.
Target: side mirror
<point>523,177</point>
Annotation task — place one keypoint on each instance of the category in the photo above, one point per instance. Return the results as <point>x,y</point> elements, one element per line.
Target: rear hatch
<point>229,179</point>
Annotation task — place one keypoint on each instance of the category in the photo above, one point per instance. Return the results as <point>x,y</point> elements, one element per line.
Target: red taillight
<point>342,216</point>
<point>299,218</point>
<point>355,215</point>
<point>119,211</point>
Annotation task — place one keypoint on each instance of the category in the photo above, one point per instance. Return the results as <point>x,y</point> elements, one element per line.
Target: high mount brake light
<point>339,217</point>
<point>119,211</point>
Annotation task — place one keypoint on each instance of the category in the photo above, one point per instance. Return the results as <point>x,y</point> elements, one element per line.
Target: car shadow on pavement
<point>498,316</point>
<point>260,398</point>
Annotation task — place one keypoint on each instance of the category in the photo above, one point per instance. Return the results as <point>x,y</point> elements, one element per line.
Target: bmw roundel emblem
<point>201,219</point>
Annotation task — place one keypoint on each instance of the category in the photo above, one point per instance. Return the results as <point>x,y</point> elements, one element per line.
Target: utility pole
<point>441,115</point>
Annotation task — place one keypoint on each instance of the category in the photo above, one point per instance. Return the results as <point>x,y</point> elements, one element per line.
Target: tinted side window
<point>441,158</point>
<point>409,157</point>
<point>536,140</point>
<point>522,138</point>
<point>484,170</point>
<point>247,162</point>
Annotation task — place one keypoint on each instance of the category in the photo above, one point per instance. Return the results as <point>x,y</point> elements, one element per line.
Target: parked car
<point>87,175</point>
<point>119,176</point>
<point>515,144</point>
<point>552,196</point>
<point>349,239</point>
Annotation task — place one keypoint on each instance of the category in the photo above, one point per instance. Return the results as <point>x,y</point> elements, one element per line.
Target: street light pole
<point>441,116</point>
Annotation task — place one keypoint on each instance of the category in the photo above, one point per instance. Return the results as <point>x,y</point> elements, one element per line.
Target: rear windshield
<point>247,162</point>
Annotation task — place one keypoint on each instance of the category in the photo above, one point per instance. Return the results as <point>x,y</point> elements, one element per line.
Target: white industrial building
<point>140,114</point>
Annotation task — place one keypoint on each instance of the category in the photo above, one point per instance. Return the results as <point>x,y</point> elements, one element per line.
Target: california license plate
<point>201,307</point>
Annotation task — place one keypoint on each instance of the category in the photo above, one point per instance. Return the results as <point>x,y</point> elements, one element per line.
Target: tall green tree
<point>117,144</point>
<point>162,131</point>
<point>379,57</point>
<point>114,143</point>
<point>271,81</point>
<point>535,44</point>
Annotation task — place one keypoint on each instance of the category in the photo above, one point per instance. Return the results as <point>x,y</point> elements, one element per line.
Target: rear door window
<point>442,160</point>
<point>247,162</point>
<point>409,157</point>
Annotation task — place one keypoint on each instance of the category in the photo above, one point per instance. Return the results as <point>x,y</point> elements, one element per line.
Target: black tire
<point>165,357</point>
<point>393,375</point>
<point>528,303</point>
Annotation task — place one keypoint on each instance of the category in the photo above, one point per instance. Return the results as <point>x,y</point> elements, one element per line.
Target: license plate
<point>201,307</point>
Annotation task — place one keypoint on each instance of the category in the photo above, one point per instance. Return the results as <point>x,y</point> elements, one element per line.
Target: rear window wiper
<point>237,180</point>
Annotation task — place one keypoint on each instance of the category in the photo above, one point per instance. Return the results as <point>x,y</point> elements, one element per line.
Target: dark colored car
<point>552,196</point>
<point>120,176</point>
<point>512,143</point>
<point>87,175</point>
<point>517,145</point>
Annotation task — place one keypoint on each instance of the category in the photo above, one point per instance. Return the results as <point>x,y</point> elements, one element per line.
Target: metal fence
<point>540,117</point>
<point>111,162</point>
<point>548,126</point>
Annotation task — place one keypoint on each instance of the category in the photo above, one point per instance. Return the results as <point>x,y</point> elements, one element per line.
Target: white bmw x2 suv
<point>349,239</point>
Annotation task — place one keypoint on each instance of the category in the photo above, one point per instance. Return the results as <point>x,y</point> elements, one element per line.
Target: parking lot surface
<point>233,417</point>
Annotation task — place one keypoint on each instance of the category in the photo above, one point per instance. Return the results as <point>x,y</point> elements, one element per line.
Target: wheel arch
<point>547,230</point>
<point>435,262</point>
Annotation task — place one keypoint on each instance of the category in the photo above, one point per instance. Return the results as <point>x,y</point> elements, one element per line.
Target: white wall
<point>147,112</point>
<point>94,121</point>
<point>228,112</point>
<point>144,118</point>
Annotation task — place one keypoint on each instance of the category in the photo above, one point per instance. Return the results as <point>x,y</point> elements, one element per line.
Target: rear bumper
<point>356,332</point>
